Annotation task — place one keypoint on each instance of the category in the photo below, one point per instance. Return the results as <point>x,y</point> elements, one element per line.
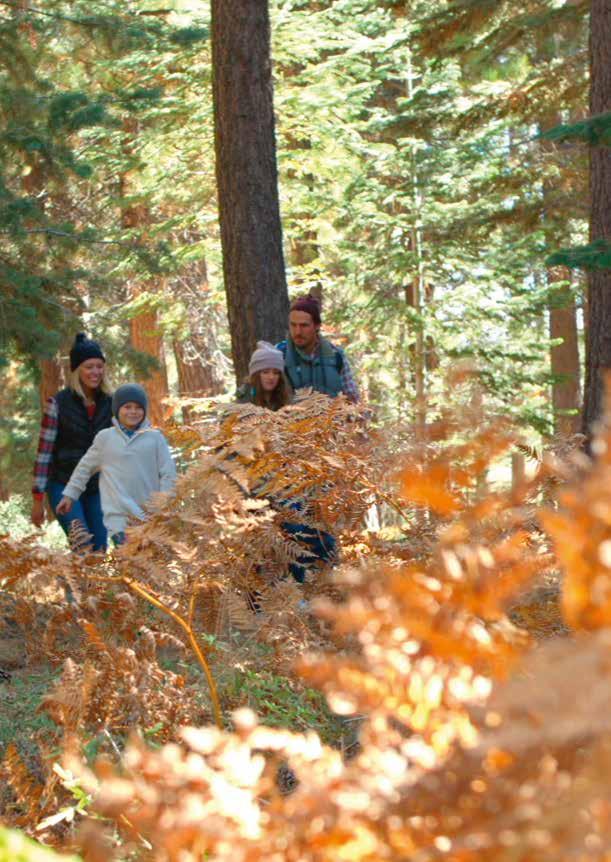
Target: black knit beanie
<point>82,349</point>
<point>128,392</point>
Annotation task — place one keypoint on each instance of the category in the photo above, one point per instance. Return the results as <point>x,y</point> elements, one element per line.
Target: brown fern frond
<point>81,540</point>
<point>27,789</point>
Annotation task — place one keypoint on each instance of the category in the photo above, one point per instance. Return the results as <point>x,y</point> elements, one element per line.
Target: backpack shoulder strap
<point>283,347</point>
<point>336,352</point>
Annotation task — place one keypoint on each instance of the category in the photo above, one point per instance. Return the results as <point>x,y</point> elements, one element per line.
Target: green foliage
<point>595,131</point>
<point>408,157</point>
<point>18,431</point>
<point>21,720</point>
<point>409,153</point>
<point>65,147</point>
<point>15,521</point>
<point>283,702</point>
<point>16,847</point>
<point>595,255</point>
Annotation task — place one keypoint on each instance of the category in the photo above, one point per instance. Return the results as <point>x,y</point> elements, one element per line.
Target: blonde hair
<point>74,383</point>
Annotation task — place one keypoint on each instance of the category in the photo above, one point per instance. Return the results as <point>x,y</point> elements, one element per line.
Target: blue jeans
<point>317,542</point>
<point>87,509</point>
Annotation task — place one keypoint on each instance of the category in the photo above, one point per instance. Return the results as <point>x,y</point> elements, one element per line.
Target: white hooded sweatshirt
<point>132,468</point>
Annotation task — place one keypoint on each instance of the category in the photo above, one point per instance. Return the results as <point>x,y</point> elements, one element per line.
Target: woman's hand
<point>38,511</point>
<point>64,506</point>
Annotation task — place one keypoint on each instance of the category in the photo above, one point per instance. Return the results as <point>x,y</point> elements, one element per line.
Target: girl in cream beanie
<point>267,385</point>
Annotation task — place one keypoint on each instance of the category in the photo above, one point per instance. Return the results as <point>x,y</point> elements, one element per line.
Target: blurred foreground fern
<point>476,743</point>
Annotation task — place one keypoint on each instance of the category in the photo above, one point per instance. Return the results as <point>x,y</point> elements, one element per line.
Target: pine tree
<point>598,356</point>
<point>249,214</point>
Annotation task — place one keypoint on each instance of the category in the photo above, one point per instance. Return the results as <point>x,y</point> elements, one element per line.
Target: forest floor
<point>280,701</point>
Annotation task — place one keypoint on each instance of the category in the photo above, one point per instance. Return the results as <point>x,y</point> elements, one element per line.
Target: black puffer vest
<point>75,433</point>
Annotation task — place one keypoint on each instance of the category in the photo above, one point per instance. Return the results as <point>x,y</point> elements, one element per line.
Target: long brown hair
<point>279,397</point>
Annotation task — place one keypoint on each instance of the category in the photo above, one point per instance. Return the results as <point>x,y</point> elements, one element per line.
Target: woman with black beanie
<point>70,421</point>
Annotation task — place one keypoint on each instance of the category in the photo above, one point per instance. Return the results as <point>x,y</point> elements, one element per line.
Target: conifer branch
<point>33,11</point>
<point>49,231</point>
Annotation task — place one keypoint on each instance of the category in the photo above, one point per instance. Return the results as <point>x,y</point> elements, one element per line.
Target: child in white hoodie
<point>134,461</point>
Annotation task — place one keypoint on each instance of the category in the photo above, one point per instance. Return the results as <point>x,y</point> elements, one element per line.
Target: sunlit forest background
<point>419,197</point>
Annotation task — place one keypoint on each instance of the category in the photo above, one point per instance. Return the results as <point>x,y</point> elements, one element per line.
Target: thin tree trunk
<point>598,349</point>
<point>414,298</point>
<point>564,355</point>
<point>196,371</point>
<point>417,283</point>
<point>247,180</point>
<point>402,369</point>
<point>564,358</point>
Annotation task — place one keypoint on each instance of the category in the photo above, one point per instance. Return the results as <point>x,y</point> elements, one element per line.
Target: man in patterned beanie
<point>312,360</point>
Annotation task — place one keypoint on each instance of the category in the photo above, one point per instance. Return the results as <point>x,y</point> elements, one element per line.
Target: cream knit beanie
<point>265,356</point>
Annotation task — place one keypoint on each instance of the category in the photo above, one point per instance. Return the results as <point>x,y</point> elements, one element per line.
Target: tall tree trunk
<point>564,357</point>
<point>247,178</point>
<point>145,335</point>
<point>417,284</point>
<point>197,373</point>
<point>197,357</point>
<point>598,347</point>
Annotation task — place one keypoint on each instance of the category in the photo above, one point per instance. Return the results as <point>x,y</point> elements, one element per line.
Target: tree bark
<point>51,373</point>
<point>598,347</point>
<point>195,351</point>
<point>145,335</point>
<point>198,373</point>
<point>247,177</point>
<point>51,379</point>
<point>564,358</point>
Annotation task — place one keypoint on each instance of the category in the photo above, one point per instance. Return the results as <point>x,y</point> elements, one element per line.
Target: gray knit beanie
<point>264,357</point>
<point>128,392</point>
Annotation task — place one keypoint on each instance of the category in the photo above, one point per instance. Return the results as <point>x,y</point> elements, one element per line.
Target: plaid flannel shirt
<point>46,443</point>
<point>349,385</point>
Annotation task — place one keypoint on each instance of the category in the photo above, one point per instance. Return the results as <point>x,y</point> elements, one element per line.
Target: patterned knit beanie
<point>128,392</point>
<point>310,305</point>
<point>265,356</point>
<point>82,349</point>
